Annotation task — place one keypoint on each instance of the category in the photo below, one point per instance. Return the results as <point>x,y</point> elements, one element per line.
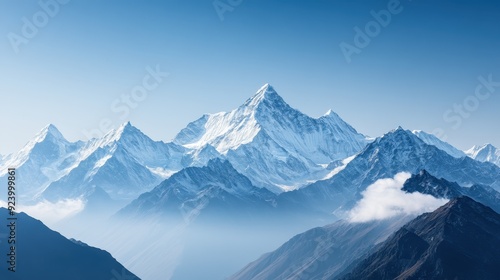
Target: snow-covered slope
<point>46,158</point>
<point>431,139</point>
<point>273,144</point>
<point>217,186</point>
<point>265,139</point>
<point>124,163</point>
<point>485,153</point>
<point>397,151</point>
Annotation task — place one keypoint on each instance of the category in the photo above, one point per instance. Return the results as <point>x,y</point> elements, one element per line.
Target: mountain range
<point>397,151</point>
<point>425,183</point>
<point>263,163</point>
<point>272,144</point>
<point>485,153</point>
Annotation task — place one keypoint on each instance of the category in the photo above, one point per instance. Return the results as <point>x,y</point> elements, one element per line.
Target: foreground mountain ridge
<point>45,254</point>
<point>457,241</point>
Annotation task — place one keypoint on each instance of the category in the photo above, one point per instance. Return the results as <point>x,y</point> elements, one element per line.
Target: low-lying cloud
<point>385,199</point>
<point>50,213</point>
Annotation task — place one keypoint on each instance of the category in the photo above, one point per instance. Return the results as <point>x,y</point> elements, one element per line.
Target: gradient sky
<point>89,53</point>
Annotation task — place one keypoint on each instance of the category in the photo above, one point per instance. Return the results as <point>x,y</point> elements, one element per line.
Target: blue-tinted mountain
<point>431,139</point>
<point>124,163</point>
<point>45,254</point>
<point>44,159</point>
<point>425,183</point>
<point>485,153</point>
<point>460,240</point>
<point>397,151</point>
<point>273,144</point>
<point>320,253</point>
<point>215,188</point>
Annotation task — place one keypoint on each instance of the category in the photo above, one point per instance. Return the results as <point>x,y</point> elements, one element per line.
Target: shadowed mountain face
<point>45,254</point>
<point>320,253</point>
<point>457,241</point>
<point>216,188</point>
<point>460,240</point>
<point>425,183</point>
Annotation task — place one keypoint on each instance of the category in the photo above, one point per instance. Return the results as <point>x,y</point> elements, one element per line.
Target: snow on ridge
<point>433,140</point>
<point>485,153</point>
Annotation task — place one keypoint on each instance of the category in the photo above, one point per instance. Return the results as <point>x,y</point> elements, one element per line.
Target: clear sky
<point>70,64</point>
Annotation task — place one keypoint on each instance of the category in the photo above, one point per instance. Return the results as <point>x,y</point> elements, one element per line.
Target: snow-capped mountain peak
<point>227,131</point>
<point>273,144</point>
<point>115,135</point>
<point>126,135</point>
<point>138,145</point>
<point>397,151</point>
<point>400,135</point>
<point>55,143</point>
<point>486,148</point>
<point>334,120</point>
<point>49,131</point>
<point>485,153</point>
<point>46,157</point>
<point>399,129</point>
<point>265,95</point>
<point>329,113</point>
<point>140,162</point>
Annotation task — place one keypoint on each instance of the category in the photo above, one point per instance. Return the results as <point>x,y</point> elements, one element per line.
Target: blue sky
<point>85,55</point>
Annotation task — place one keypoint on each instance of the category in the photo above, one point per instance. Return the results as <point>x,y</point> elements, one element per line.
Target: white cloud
<point>384,199</point>
<point>50,213</point>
